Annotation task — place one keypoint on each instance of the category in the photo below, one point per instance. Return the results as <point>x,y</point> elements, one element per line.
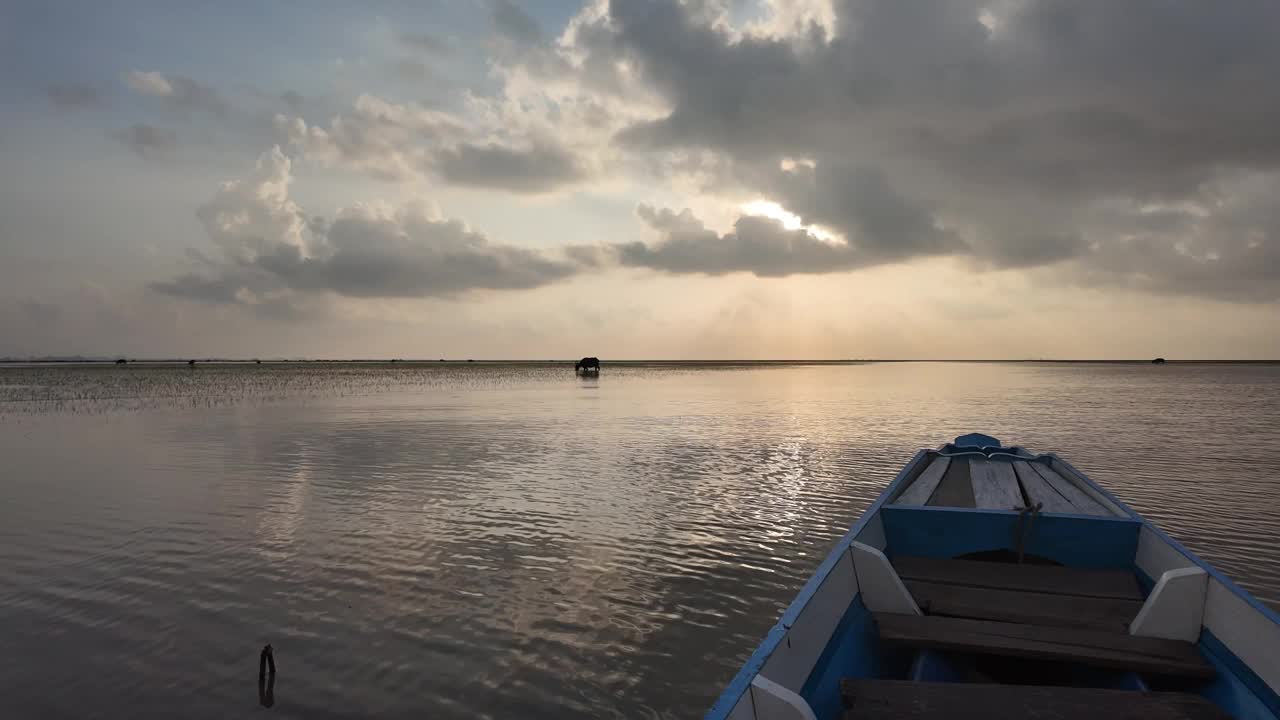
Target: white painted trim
<point>1175,608</point>
<point>1155,555</point>
<point>1252,636</point>
<point>881,588</point>
<point>793,660</point>
<point>775,702</point>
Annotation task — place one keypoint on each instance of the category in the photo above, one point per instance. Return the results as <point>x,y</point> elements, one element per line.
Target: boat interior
<point>989,582</point>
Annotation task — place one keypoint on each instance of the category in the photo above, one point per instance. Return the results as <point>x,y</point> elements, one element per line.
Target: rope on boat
<point>1021,531</point>
<point>1026,514</point>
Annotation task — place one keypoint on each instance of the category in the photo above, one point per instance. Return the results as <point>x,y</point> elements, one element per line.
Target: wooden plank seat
<point>995,485</point>
<point>1095,648</point>
<point>1051,579</point>
<point>1080,501</point>
<point>906,700</point>
<point>922,488</point>
<point>1032,608</point>
<point>1039,490</point>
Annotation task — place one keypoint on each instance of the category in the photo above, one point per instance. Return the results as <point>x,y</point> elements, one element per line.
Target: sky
<point>697,179</point>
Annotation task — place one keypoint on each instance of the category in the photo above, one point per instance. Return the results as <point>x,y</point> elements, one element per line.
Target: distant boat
<point>1158,361</point>
<point>988,581</point>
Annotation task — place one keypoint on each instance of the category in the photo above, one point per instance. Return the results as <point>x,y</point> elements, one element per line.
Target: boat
<point>992,582</point>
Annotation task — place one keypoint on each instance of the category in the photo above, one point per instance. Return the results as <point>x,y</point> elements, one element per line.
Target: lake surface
<point>511,541</point>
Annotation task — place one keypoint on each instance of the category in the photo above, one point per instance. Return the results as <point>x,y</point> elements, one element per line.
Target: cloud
<point>177,92</point>
<point>149,83</point>
<point>515,24</point>
<point>405,142</point>
<point>73,96</point>
<point>409,253</point>
<point>272,252</point>
<point>1009,135</point>
<point>386,140</point>
<point>861,202</point>
<point>758,245</point>
<point>412,70</point>
<point>293,99</point>
<point>1225,246</point>
<point>536,169</point>
<point>1003,132</point>
<point>148,141</point>
<point>219,289</point>
<point>426,43</point>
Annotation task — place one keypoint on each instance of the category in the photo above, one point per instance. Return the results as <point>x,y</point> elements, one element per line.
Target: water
<point>510,541</point>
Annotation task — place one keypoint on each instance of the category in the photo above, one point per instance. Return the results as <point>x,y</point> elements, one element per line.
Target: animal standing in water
<point>587,364</point>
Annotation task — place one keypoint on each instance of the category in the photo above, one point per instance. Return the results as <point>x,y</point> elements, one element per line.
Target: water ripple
<point>453,540</point>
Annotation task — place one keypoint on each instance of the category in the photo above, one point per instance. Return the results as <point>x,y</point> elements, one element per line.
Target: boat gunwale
<point>741,682</point>
<point>1213,572</point>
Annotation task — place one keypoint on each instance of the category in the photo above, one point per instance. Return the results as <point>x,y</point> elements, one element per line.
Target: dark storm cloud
<point>758,245</point>
<point>1018,123</point>
<point>537,169</point>
<point>1054,76</point>
<point>860,201</point>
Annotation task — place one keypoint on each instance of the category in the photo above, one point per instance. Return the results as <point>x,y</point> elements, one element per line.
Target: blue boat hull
<point>828,634</point>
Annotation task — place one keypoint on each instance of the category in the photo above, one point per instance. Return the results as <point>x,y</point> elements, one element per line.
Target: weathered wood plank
<point>955,490</point>
<point>1084,504</point>
<point>925,483</point>
<point>1024,607</point>
<point>1053,579</point>
<point>1039,490</point>
<point>1095,648</point>
<point>867,699</point>
<point>994,485</point>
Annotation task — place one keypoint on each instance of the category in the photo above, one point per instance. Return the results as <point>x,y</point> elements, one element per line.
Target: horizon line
<point>104,359</point>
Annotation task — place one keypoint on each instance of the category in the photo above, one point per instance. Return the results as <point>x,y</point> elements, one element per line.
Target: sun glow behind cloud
<point>788,219</point>
<point>536,138</point>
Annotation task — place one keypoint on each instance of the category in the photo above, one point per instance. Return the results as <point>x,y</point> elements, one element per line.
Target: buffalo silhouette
<point>587,364</point>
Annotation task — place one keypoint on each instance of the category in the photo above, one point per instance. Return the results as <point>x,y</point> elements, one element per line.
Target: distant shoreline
<point>636,363</point>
